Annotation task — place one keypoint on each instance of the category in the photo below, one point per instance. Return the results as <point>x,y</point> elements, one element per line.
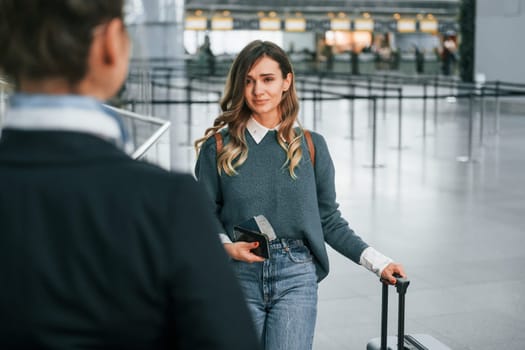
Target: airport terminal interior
<point>451,212</point>
<point>429,165</point>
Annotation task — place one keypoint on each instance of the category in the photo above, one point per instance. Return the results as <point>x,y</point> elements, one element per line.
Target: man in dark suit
<point>97,251</point>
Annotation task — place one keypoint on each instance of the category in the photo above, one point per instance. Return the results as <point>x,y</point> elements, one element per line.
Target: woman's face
<point>264,89</point>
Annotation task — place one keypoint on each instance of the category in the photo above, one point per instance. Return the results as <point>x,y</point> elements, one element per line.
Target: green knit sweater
<point>304,208</point>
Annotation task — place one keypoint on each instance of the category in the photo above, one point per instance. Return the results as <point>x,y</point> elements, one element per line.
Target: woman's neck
<point>269,122</point>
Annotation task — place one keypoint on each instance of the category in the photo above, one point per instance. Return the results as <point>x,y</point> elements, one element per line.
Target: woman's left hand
<point>390,270</point>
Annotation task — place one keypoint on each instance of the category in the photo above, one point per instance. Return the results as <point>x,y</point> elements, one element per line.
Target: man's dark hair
<point>50,39</point>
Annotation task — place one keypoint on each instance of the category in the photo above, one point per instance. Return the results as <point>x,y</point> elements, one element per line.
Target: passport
<point>244,235</point>
<point>256,229</point>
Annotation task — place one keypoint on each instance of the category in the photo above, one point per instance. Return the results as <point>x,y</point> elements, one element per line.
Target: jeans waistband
<point>282,243</point>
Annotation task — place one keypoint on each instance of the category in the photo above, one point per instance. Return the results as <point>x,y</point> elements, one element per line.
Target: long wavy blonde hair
<point>235,112</point>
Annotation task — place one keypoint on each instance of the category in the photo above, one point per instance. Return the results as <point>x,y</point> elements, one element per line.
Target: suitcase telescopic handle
<point>402,284</point>
<point>401,287</point>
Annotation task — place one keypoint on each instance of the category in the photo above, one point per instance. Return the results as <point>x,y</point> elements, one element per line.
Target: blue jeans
<point>281,293</point>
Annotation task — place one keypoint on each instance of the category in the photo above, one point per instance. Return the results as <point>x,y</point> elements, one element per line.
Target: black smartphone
<point>245,235</point>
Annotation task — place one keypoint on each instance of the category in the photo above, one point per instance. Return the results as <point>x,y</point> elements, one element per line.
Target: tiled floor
<point>458,227</point>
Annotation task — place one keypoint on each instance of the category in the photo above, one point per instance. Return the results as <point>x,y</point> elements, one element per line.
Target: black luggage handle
<point>401,287</point>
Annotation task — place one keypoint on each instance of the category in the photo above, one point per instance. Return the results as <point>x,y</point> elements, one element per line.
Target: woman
<point>265,169</point>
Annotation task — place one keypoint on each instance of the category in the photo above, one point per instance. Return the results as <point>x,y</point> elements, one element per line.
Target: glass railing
<point>150,137</point>
<point>4,88</point>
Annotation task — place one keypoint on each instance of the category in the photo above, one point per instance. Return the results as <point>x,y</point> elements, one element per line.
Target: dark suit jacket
<point>98,251</point>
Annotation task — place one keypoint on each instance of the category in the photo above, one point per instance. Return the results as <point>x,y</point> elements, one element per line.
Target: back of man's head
<point>41,39</point>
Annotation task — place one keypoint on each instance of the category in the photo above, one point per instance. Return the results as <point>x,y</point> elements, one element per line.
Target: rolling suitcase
<point>402,341</point>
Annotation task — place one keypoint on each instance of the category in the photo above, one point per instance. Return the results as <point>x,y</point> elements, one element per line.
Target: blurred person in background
<point>448,55</point>
<point>206,55</point>
<point>97,251</point>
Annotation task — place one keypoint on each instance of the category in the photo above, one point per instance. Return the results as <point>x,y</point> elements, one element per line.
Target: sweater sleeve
<point>208,177</point>
<point>336,230</point>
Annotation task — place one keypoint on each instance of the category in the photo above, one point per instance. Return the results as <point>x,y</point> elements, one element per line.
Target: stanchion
<point>319,108</point>
<point>424,109</point>
<point>374,135</point>
<point>496,127</point>
<point>189,117</point>
<point>481,115</point>
<point>351,98</point>
<point>352,112</point>
<point>153,99</point>
<point>384,96</point>
<point>219,110</point>
<point>399,118</point>
<point>469,157</point>
<point>168,91</point>
<point>369,89</point>
<point>435,102</point>
<point>147,80</point>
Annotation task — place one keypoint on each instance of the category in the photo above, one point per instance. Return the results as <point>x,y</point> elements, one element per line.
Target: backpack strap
<point>311,147</point>
<point>218,142</point>
<point>307,135</point>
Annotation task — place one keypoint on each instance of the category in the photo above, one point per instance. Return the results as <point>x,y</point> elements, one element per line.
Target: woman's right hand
<point>242,251</point>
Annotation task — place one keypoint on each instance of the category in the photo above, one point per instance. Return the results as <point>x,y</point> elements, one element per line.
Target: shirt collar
<point>258,131</point>
<point>66,113</point>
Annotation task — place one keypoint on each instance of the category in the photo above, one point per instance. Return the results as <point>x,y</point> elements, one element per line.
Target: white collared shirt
<point>258,131</point>
<point>66,113</point>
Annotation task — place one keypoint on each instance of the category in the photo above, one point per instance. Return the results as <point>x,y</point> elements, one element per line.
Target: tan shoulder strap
<point>218,142</point>
<point>311,147</point>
